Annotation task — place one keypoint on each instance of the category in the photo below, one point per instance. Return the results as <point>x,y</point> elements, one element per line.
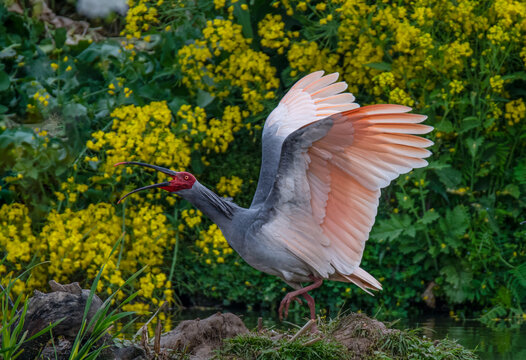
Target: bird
<point>325,159</point>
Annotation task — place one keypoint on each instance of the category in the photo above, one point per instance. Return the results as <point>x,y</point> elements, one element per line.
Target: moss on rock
<point>353,337</point>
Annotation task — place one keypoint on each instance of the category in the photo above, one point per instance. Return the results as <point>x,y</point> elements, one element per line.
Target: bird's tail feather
<point>360,278</point>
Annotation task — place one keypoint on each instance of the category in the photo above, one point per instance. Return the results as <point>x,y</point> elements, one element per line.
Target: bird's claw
<point>284,305</point>
<point>314,329</point>
<point>298,300</point>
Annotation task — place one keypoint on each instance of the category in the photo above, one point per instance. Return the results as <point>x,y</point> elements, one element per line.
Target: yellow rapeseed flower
<point>230,187</point>
<point>456,87</point>
<point>271,31</point>
<point>515,111</point>
<point>496,83</point>
<point>399,96</point>
<point>141,133</point>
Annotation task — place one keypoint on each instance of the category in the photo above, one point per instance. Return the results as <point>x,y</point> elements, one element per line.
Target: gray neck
<point>218,209</point>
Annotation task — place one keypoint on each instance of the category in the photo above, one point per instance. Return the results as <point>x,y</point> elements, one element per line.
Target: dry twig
<point>303,330</point>
<point>157,340</point>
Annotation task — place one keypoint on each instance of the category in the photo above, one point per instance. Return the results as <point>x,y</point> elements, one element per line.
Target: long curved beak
<point>143,188</point>
<point>155,167</point>
<point>158,168</point>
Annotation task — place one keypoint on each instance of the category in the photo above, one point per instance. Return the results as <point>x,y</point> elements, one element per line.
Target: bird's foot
<point>285,303</point>
<point>314,329</point>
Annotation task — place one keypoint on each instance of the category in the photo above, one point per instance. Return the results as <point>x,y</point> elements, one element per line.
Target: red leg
<point>285,303</point>
<point>312,305</point>
<point>312,308</point>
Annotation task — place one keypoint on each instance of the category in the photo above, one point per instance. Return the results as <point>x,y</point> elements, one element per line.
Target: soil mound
<point>359,333</point>
<point>201,337</point>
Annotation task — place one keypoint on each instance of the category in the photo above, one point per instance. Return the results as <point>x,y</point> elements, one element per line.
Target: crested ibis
<point>324,161</point>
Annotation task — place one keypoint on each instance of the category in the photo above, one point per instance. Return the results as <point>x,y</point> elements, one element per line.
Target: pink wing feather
<point>312,98</point>
<point>365,150</point>
<point>343,172</point>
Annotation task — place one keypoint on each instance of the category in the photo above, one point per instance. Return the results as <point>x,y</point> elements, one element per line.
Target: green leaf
<point>458,219</point>
<point>380,66</point>
<point>203,98</point>
<point>521,75</point>
<point>450,177</point>
<point>429,217</point>
<point>410,231</point>
<point>513,190</point>
<point>519,173</point>
<point>419,256</point>
<point>520,274</point>
<point>243,18</point>
<point>469,123</point>
<point>4,81</point>
<point>27,168</point>
<point>60,37</point>
<point>9,51</point>
<point>405,201</point>
<point>70,83</point>
<point>445,126</point>
<point>176,103</point>
<point>454,225</point>
<point>473,145</point>
<point>438,165</point>
<point>504,297</point>
<point>73,110</point>
<point>196,163</point>
<point>386,230</point>
<point>103,50</point>
<point>496,312</point>
<point>392,228</point>
<point>458,280</point>
<point>16,136</point>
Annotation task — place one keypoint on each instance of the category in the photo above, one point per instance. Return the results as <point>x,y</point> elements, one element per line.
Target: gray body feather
<point>242,227</point>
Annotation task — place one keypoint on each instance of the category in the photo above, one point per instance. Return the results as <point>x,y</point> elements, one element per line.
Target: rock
<point>73,288</point>
<point>200,337</point>
<point>67,302</point>
<point>127,350</point>
<point>428,296</point>
<point>359,333</point>
<point>61,350</point>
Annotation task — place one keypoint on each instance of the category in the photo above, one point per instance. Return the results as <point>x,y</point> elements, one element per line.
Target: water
<point>502,344</point>
<point>490,344</point>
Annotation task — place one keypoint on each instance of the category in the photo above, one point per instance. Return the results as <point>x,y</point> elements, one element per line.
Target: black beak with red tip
<point>158,168</point>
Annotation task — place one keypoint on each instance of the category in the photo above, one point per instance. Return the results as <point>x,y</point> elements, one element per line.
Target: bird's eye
<point>186,177</point>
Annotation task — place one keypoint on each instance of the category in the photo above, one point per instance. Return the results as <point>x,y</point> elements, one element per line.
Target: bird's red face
<point>180,180</point>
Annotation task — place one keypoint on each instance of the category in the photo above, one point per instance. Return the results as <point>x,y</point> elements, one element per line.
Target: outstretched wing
<point>312,98</point>
<point>323,202</point>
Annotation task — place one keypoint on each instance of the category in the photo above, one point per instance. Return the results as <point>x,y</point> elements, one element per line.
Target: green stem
<point>472,173</point>
<point>415,214</point>
<point>176,248</point>
<point>426,233</point>
<point>59,90</point>
<point>504,261</point>
<point>123,236</point>
<point>94,93</point>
